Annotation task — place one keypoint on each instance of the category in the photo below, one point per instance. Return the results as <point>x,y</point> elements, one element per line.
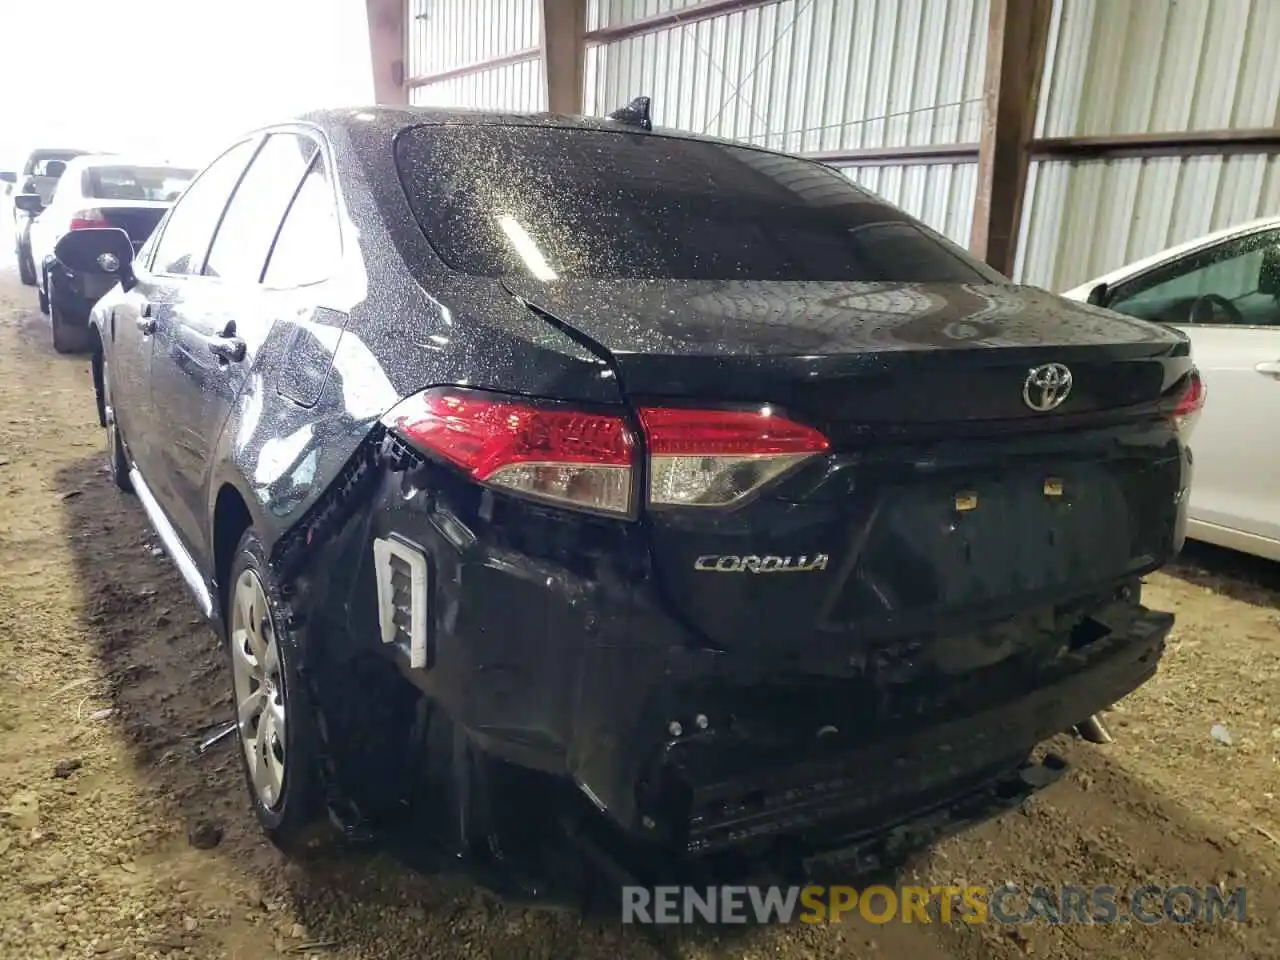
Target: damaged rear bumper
<point>550,647</point>
<point>736,793</point>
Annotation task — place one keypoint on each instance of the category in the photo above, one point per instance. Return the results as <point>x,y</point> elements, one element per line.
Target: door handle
<point>227,348</point>
<point>1270,368</point>
<point>145,321</point>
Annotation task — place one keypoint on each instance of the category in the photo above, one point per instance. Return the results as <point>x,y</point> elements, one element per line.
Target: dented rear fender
<point>281,455</point>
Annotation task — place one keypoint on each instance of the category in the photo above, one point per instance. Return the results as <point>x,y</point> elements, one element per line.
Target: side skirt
<point>169,537</point>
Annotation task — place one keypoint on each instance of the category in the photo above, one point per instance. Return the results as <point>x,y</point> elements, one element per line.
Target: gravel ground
<point>116,840</point>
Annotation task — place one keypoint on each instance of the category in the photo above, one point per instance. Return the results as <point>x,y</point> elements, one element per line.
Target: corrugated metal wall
<point>1084,219</point>
<point>451,34</point>
<point>831,75</point>
<point>940,194</point>
<point>1139,66</point>
<point>803,75</point>
<point>517,86</point>
<point>814,75</point>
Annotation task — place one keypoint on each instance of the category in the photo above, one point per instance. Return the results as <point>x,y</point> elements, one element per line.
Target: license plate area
<point>953,543</point>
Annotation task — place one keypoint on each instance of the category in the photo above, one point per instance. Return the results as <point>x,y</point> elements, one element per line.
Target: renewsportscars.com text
<point>1006,904</point>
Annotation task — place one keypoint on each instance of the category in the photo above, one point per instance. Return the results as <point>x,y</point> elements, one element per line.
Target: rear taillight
<point>92,219</point>
<point>713,458</point>
<point>551,452</point>
<point>1187,412</point>
<point>547,452</point>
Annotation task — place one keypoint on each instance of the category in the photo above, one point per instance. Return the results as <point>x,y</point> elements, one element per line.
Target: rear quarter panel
<point>388,324</point>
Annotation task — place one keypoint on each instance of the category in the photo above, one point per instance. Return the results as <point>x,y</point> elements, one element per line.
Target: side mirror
<point>8,176</point>
<point>29,203</point>
<point>1098,295</point>
<point>105,251</point>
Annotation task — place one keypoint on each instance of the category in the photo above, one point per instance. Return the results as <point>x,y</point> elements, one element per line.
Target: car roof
<point>44,153</point>
<point>115,160</point>
<point>1178,250</point>
<point>39,154</point>
<point>56,151</point>
<point>388,121</point>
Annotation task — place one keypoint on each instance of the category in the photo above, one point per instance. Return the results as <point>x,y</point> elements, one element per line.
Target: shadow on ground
<point>1237,575</point>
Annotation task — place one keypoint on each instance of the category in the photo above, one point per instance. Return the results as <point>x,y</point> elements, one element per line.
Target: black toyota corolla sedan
<point>682,482</point>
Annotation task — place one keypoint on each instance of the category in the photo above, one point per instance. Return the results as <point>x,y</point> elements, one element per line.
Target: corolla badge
<point>1046,387</point>
<point>752,563</point>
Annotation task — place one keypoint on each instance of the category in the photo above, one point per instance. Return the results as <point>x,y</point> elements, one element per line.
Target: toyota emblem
<point>1046,387</point>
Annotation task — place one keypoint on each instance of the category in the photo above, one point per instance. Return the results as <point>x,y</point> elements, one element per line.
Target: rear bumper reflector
<point>403,596</point>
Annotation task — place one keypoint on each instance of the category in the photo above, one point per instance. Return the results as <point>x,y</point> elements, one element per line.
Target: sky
<point>171,79</point>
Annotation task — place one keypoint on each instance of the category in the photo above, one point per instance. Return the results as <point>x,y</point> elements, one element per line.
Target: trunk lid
<point>866,358</point>
<point>137,218</point>
<point>945,497</point>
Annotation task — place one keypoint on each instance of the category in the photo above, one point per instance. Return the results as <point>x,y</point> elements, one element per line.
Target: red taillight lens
<point>717,457</point>
<point>1187,412</point>
<point>88,220</point>
<point>546,452</point>
<point>697,458</point>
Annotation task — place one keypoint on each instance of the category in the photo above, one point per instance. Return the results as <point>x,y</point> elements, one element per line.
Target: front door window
<point>1232,283</point>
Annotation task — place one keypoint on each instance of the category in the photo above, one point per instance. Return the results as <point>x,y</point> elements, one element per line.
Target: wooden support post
<point>1017,33</point>
<point>387,44</point>
<point>564,50</point>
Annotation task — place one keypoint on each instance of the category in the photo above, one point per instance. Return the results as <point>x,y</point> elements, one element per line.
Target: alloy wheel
<point>261,704</point>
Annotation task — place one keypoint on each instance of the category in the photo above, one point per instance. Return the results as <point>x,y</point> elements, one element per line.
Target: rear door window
<point>148,184</point>
<point>191,222</point>
<point>244,237</point>
<point>309,244</point>
<point>571,203</point>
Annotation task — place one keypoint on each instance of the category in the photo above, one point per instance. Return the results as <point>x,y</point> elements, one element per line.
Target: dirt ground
<point>117,840</point>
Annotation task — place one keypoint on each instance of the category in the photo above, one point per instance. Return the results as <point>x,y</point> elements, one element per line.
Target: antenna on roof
<point>635,114</point>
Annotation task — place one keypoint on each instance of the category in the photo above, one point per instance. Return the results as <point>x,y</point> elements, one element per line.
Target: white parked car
<point>93,192</point>
<point>1223,290</point>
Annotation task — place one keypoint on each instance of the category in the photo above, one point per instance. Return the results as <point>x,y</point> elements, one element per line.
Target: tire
<point>67,338</point>
<point>281,773</point>
<point>26,266</point>
<point>117,453</point>
<point>64,341</point>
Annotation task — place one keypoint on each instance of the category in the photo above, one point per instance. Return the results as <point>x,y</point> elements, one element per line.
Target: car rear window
<point>136,183</point>
<point>560,203</point>
<point>38,162</point>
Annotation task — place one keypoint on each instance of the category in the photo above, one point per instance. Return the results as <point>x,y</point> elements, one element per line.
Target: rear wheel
<point>117,454</point>
<point>276,726</point>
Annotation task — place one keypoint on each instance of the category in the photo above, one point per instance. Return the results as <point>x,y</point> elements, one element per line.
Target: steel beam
<point>387,49</point>
<point>682,16</point>
<point>1194,143</point>
<point>1017,34</point>
<point>564,51</point>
